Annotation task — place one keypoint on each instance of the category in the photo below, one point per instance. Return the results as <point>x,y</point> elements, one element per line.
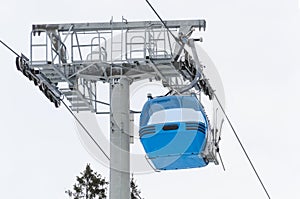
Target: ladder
<point>77,100</point>
<point>117,52</point>
<point>39,48</point>
<point>158,44</point>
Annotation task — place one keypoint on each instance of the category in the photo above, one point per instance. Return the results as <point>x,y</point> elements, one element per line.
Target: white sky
<point>255,46</point>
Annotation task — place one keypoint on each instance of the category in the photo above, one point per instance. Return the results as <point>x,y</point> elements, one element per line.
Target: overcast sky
<point>255,46</point>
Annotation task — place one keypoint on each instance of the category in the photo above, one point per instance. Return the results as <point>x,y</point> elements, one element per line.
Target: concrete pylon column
<point>119,139</point>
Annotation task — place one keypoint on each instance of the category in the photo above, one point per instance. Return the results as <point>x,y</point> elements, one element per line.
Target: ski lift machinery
<point>134,51</point>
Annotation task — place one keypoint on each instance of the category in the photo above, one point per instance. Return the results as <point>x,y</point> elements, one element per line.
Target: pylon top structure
<point>77,55</point>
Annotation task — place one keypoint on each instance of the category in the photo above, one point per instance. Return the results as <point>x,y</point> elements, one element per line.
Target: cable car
<point>173,131</point>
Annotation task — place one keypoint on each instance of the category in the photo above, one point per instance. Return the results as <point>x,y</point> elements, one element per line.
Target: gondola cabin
<point>173,131</point>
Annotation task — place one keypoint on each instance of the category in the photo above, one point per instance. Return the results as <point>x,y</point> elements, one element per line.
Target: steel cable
<point>244,150</point>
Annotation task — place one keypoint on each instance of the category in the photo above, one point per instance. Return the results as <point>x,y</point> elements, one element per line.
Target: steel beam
<point>118,25</point>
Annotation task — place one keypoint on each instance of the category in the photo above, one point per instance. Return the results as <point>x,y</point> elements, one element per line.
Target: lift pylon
<point>69,61</point>
<point>119,138</point>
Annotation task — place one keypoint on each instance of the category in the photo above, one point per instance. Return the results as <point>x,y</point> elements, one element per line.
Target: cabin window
<point>176,115</point>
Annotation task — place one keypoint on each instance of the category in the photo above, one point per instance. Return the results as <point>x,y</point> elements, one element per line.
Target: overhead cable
<point>244,150</point>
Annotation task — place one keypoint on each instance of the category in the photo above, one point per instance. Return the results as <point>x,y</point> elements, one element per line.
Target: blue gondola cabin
<point>173,132</point>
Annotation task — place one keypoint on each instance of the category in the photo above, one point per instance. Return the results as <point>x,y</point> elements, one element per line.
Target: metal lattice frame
<point>84,53</point>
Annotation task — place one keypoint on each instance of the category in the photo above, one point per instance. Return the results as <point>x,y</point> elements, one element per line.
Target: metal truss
<point>79,55</point>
